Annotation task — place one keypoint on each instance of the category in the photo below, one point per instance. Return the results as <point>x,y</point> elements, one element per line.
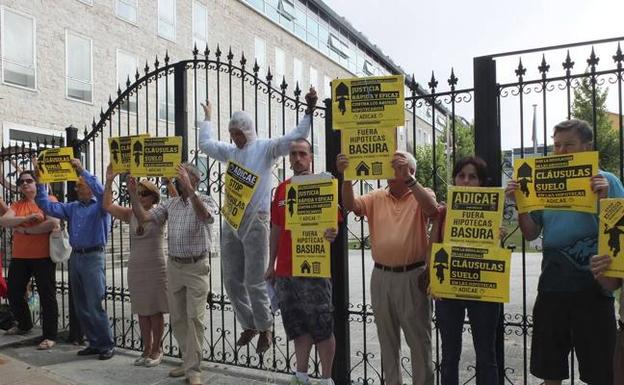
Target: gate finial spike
<point>412,85</point>
<point>136,74</point>
<point>520,71</point>
<point>166,57</point>
<point>243,60</point>
<point>128,82</point>
<point>593,59</point>
<point>269,76</point>
<point>110,100</point>
<point>156,62</point>
<point>618,57</point>
<point>568,63</point>
<point>256,67</point>
<point>195,51</point>
<point>101,113</point>
<point>452,81</point>
<point>230,55</point>
<point>284,85</point>
<point>206,51</point>
<point>146,68</point>
<point>297,90</point>
<point>433,83</point>
<point>543,68</point>
<point>218,52</point>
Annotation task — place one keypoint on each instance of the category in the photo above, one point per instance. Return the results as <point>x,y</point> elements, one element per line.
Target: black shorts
<point>306,307</point>
<point>583,321</point>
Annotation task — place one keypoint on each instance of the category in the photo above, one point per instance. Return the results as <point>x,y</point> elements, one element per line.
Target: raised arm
<point>348,199</point>
<point>203,212</point>
<point>122,213</point>
<point>91,180</point>
<point>208,142</point>
<point>281,145</point>
<point>54,209</point>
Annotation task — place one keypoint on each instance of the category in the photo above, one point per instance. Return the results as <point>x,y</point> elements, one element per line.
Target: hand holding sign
<point>184,180</point>
<point>600,186</point>
<point>400,166</point>
<point>342,162</point>
<point>77,165</point>
<point>599,265</point>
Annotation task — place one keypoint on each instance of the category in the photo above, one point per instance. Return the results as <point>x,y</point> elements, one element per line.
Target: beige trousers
<point>188,295</point>
<point>399,305</point>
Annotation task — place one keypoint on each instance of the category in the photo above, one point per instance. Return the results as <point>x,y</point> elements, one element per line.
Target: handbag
<point>59,245</point>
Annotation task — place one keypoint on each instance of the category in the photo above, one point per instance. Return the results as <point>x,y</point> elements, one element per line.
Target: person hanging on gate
<point>305,303</point>
<point>484,317</point>
<point>397,221</point>
<point>244,252</point>
<point>30,257</point>
<point>88,227</point>
<point>189,217</point>
<point>571,310</point>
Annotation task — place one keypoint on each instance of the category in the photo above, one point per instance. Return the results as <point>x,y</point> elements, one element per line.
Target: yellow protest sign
<point>474,215</point>
<point>370,152</point>
<point>54,165</point>
<point>310,253</point>
<point>312,202</point>
<point>559,182</point>
<point>240,185</point>
<point>611,229</point>
<point>368,102</point>
<point>470,272</point>
<point>155,156</point>
<point>120,149</point>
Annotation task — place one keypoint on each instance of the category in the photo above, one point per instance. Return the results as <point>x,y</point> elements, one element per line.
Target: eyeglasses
<point>27,181</point>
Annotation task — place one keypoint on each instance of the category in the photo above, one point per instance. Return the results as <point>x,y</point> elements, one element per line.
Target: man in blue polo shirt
<point>88,226</point>
<point>571,309</point>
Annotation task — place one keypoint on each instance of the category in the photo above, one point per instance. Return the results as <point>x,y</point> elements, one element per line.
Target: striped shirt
<point>188,236</point>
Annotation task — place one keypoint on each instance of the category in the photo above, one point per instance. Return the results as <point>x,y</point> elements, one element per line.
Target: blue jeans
<point>484,317</point>
<point>88,290</point>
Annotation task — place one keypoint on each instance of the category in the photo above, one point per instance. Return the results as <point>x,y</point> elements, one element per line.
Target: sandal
<point>14,331</point>
<point>46,345</point>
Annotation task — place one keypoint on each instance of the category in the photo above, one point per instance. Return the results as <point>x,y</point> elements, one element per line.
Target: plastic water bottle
<point>33,302</point>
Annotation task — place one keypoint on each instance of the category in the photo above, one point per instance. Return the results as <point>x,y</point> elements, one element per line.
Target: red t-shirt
<point>283,265</point>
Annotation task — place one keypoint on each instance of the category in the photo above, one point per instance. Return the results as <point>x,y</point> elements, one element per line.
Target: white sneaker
<point>294,380</point>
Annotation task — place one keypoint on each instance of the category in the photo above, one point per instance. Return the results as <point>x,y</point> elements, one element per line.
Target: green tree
<point>608,143</point>
<point>425,170</point>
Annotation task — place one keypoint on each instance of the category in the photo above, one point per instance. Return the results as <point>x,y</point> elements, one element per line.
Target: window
<point>312,29</point>
<point>368,68</point>
<point>200,26</point>
<point>167,19</point>
<point>286,9</point>
<point>300,22</point>
<point>166,105</point>
<point>338,46</point>
<point>326,87</point>
<point>313,78</point>
<point>127,10</point>
<point>260,52</point>
<point>280,64</point>
<point>78,68</point>
<point>297,73</point>
<point>127,65</point>
<point>18,49</point>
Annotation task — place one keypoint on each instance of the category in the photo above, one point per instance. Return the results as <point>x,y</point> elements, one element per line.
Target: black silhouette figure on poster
<point>614,236</point>
<point>115,150</point>
<point>305,268</point>
<point>525,176</point>
<point>40,162</point>
<point>342,94</point>
<point>291,199</point>
<point>137,150</point>
<point>440,263</point>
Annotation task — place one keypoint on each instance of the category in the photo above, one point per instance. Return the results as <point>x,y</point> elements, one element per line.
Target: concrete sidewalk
<point>22,364</point>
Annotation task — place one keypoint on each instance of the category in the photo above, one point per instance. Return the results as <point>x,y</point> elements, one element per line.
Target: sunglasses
<point>27,181</point>
<point>145,193</point>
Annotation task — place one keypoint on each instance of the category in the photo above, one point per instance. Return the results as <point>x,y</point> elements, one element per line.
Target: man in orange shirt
<point>397,222</point>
